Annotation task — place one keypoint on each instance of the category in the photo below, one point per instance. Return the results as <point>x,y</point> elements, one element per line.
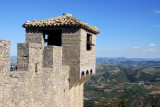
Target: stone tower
<point>57,58</point>
<point>76,39</point>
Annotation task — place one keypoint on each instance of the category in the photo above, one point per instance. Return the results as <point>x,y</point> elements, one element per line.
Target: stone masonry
<point>57,58</point>
<point>4,56</point>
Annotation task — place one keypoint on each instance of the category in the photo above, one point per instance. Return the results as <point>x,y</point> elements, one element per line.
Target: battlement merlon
<point>29,57</point>
<point>4,56</point>
<point>52,58</point>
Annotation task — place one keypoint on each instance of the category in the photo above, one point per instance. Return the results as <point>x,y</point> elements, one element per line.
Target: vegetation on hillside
<point>119,83</point>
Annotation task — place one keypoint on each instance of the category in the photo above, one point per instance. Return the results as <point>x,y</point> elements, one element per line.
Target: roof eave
<point>43,26</point>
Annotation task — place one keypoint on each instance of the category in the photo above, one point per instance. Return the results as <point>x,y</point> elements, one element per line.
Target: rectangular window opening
<point>52,37</point>
<point>89,42</point>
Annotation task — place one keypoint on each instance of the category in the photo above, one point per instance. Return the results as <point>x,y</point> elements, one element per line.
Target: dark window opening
<point>87,73</point>
<point>45,39</point>
<point>82,74</point>
<point>91,72</point>
<point>53,37</point>
<point>89,42</point>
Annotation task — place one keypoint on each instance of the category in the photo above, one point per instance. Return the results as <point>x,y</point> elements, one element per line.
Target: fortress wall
<point>76,96</point>
<point>4,56</point>
<point>27,89</point>
<point>49,87</point>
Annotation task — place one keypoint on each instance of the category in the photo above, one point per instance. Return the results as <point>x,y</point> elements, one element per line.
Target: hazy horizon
<point>114,57</point>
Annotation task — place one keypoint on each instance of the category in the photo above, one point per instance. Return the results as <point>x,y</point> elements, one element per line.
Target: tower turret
<point>76,39</point>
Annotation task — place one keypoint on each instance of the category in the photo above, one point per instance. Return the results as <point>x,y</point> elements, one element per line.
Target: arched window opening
<point>91,72</point>
<point>82,74</point>
<point>87,72</point>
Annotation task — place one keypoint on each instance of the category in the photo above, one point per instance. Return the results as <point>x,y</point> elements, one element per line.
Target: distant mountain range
<point>105,60</point>
<point>127,59</point>
<point>120,59</point>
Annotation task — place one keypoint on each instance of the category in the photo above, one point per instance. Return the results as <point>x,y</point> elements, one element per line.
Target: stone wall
<point>71,52</point>
<point>34,35</point>
<point>76,96</point>
<point>52,57</point>
<point>4,56</point>
<point>77,56</point>
<point>47,88</point>
<point>36,88</point>
<point>87,57</point>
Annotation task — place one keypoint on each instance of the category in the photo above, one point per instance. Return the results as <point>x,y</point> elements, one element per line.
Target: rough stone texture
<point>47,76</point>
<point>76,96</point>
<point>87,57</point>
<point>71,52</point>
<point>34,36</point>
<point>76,56</point>
<point>27,89</point>
<point>52,57</point>
<point>4,56</point>
<point>29,57</point>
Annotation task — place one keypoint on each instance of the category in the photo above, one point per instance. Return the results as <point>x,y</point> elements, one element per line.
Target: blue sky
<point>129,28</point>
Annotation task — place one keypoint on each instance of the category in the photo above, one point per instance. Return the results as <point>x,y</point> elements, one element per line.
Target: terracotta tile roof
<point>66,20</point>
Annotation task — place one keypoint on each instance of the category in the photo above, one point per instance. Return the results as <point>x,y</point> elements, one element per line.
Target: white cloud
<point>156,11</point>
<point>135,48</point>
<point>149,50</point>
<point>151,44</point>
<point>116,48</point>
